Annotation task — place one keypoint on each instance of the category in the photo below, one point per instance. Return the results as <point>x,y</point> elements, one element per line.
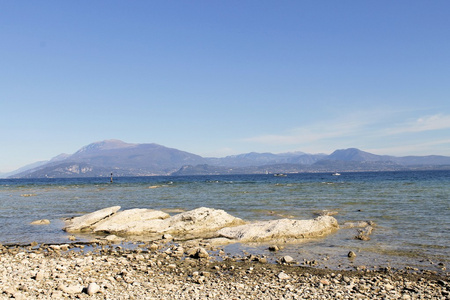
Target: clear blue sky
<point>217,78</point>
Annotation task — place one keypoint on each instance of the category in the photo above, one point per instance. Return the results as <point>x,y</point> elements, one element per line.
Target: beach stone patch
<point>110,272</point>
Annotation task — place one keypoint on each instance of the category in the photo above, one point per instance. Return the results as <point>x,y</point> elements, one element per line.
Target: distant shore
<point>192,270</point>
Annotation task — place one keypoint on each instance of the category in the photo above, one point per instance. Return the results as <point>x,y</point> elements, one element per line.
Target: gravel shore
<point>161,270</point>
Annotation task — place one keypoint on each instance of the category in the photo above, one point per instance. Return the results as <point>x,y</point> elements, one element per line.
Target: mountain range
<point>100,159</point>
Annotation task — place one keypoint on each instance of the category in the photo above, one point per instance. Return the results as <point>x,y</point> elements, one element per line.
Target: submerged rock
<point>281,229</point>
<point>40,222</point>
<point>363,234</point>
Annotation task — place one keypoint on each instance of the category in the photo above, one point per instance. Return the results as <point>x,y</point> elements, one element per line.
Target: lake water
<point>411,210</point>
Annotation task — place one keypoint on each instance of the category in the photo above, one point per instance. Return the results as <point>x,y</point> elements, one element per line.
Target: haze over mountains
<point>100,159</point>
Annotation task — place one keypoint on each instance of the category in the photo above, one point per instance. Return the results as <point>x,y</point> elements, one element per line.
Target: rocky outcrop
<point>281,229</point>
<point>85,222</point>
<point>202,222</point>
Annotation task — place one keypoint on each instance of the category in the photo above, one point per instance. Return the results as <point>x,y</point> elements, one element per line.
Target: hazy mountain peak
<point>105,145</point>
<point>60,157</point>
<point>354,154</point>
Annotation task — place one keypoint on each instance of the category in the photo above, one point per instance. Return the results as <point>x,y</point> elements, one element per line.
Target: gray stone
<point>71,289</point>
<point>92,288</point>
<point>283,276</point>
<point>40,275</point>
<point>198,252</point>
<point>287,259</point>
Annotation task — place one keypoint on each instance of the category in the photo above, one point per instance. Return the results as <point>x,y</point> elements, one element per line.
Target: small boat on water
<point>336,174</point>
<point>279,175</point>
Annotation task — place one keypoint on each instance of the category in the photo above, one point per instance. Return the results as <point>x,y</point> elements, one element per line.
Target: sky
<point>218,78</point>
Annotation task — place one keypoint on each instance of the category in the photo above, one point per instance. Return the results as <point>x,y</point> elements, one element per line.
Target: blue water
<point>411,209</point>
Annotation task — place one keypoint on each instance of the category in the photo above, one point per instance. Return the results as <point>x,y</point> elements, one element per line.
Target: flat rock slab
<point>85,222</point>
<point>131,221</point>
<point>281,229</point>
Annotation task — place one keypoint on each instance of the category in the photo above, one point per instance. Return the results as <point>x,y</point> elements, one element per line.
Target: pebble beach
<point>192,270</point>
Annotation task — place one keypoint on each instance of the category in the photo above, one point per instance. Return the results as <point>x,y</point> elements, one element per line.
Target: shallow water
<point>411,209</point>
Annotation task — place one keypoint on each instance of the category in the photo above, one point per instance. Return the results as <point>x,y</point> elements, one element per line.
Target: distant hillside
<point>23,169</point>
<point>99,159</point>
<point>219,170</point>
<point>102,158</point>
<point>259,159</point>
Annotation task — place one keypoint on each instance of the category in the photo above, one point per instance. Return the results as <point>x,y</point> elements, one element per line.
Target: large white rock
<point>131,221</point>
<point>281,229</point>
<point>85,222</point>
<point>201,222</point>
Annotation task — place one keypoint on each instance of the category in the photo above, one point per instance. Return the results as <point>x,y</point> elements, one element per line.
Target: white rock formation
<point>147,221</point>
<point>201,222</point>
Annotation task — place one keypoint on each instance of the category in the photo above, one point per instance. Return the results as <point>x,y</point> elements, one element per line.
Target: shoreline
<point>166,269</point>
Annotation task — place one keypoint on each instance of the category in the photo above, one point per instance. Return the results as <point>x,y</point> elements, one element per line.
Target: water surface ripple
<point>411,209</point>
